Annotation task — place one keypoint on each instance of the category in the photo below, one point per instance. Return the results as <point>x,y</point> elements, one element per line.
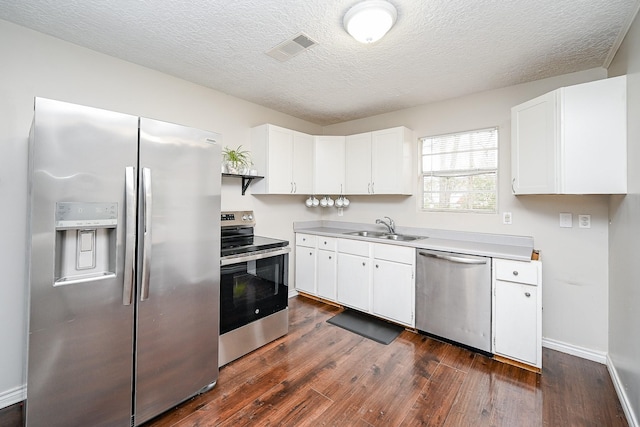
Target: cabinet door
<point>302,163</point>
<point>306,269</point>
<point>358,164</point>
<point>393,291</point>
<point>594,137</point>
<point>353,281</point>
<point>534,137</point>
<point>329,164</point>
<point>390,162</point>
<point>327,275</point>
<point>280,159</point>
<point>516,321</point>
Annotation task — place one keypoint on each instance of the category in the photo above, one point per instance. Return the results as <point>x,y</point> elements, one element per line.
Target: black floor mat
<point>367,326</point>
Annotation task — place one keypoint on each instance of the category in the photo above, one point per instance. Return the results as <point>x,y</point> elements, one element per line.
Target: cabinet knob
<point>527,294</point>
<point>310,253</point>
<point>364,263</point>
<point>329,256</point>
<point>515,273</point>
<point>377,266</point>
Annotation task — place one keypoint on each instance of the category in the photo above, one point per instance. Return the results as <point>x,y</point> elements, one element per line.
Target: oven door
<point>252,286</point>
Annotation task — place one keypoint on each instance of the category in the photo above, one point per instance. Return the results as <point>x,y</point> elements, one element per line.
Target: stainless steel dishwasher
<point>453,297</point>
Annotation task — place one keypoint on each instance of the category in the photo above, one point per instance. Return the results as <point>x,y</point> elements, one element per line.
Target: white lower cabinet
<point>377,279</point>
<point>393,291</point>
<point>305,273</point>
<point>326,277</point>
<point>517,316</point>
<point>354,273</point>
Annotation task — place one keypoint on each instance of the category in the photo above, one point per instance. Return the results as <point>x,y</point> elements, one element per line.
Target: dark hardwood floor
<point>322,375</point>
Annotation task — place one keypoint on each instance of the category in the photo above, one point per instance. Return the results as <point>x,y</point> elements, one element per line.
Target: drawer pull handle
<point>527,294</point>
<point>515,273</point>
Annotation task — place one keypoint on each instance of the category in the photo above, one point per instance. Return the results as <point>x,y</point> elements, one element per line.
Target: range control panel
<point>237,218</point>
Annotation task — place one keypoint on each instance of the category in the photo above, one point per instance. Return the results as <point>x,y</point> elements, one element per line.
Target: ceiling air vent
<point>292,47</point>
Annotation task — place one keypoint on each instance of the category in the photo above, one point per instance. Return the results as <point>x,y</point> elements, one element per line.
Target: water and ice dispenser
<point>85,241</point>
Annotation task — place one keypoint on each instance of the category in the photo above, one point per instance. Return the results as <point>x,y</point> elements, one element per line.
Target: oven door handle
<point>236,259</point>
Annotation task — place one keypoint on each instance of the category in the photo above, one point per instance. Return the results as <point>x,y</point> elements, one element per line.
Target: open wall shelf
<point>246,179</point>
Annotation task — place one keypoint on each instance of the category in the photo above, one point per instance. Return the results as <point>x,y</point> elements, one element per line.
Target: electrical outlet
<point>584,221</point>
<point>566,220</point>
<point>506,218</point>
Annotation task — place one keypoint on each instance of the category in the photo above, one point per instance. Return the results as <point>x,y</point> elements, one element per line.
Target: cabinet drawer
<point>515,271</point>
<point>327,243</point>
<point>306,240</point>
<point>353,247</point>
<point>394,253</point>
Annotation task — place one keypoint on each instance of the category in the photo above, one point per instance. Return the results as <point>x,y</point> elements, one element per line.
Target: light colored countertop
<point>492,245</point>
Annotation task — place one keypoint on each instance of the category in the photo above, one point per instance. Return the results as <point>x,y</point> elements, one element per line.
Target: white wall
<point>624,239</point>
<point>37,65</point>
<point>575,275</point>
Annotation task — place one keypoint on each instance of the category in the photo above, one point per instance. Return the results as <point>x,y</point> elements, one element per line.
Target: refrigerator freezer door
<point>177,329</point>
<point>80,332</point>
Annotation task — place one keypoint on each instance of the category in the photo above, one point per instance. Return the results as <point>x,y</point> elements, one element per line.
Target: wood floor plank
<point>572,384</point>
<point>322,375</point>
<point>490,393</point>
<point>437,398</point>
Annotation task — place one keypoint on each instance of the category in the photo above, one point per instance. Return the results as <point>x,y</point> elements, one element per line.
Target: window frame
<point>422,174</point>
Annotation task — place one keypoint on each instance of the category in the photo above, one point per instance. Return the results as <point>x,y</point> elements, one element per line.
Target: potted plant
<point>236,161</point>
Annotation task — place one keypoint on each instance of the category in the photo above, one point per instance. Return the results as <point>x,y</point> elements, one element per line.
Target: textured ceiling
<point>438,49</point>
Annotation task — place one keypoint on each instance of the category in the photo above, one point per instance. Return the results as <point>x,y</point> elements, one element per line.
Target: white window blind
<point>460,171</point>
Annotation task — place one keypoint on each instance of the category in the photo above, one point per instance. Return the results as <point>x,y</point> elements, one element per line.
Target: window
<point>460,171</point>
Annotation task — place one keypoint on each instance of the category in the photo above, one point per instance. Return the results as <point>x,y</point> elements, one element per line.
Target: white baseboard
<point>632,419</point>
<point>574,350</point>
<point>12,396</point>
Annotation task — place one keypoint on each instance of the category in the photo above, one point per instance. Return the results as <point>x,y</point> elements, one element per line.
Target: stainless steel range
<point>253,287</point>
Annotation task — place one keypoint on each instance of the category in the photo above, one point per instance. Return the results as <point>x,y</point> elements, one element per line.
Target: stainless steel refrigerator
<point>123,267</point>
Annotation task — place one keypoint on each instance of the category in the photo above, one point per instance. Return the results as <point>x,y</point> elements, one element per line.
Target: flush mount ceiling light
<point>370,20</point>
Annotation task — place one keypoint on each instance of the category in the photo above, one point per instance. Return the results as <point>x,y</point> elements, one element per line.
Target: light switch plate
<point>566,220</point>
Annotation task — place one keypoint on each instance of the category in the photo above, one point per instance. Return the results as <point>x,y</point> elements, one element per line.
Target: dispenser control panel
<point>86,215</point>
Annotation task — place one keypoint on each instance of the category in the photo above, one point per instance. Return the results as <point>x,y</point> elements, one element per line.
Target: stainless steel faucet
<point>390,225</point>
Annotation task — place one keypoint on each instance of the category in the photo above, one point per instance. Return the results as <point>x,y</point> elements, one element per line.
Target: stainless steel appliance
<point>453,297</point>
<point>253,287</point>
<point>123,266</point>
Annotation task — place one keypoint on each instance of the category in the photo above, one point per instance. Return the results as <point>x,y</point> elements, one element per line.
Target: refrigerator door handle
<point>146,243</point>
<point>130,236</point>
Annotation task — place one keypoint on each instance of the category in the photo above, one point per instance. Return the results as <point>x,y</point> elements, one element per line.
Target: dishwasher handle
<point>454,258</point>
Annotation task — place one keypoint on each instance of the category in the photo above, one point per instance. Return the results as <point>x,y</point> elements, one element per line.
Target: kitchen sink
<point>388,236</point>
<point>367,233</point>
<point>401,237</point>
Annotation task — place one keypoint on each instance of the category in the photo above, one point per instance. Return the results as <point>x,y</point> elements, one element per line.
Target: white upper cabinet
<point>285,158</point>
<point>329,170</point>
<point>358,164</point>
<point>379,162</point>
<point>571,141</point>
